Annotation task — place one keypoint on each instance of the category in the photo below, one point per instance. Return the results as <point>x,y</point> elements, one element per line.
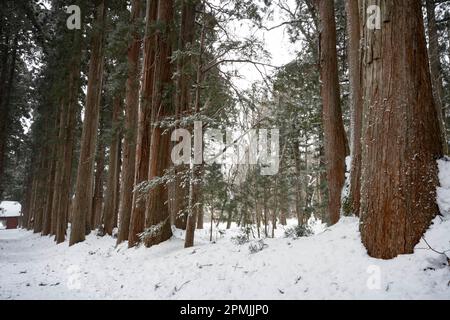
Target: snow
<point>9,209</point>
<point>443,192</point>
<point>331,264</point>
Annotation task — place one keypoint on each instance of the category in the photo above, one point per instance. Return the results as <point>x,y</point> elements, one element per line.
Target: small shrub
<point>257,246</point>
<point>240,239</point>
<point>298,231</point>
<point>243,237</point>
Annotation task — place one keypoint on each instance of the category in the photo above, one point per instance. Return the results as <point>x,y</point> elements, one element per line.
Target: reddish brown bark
<point>157,210</point>
<point>401,138</point>
<point>131,115</point>
<point>334,134</point>
<point>137,220</point>
<point>97,201</point>
<point>110,208</point>
<point>85,174</point>
<point>354,35</point>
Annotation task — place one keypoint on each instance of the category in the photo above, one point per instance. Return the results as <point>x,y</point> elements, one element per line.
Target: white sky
<point>276,43</point>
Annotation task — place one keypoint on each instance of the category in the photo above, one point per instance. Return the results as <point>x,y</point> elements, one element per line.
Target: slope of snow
<point>332,264</point>
<point>443,192</point>
<point>329,265</point>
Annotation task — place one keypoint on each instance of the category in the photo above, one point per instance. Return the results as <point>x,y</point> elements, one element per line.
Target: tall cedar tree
<point>354,53</point>
<point>185,72</point>
<point>333,127</point>
<point>110,209</point>
<point>137,220</point>
<point>131,114</point>
<point>157,214</point>
<point>401,137</point>
<point>85,173</point>
<point>195,206</point>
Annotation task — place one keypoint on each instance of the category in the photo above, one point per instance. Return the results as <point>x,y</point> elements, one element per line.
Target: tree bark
<point>131,116</point>
<point>195,207</point>
<point>84,185</point>
<point>110,208</point>
<point>401,137</point>
<point>9,73</point>
<point>157,210</point>
<point>97,201</point>
<point>334,134</point>
<point>137,220</point>
<point>354,35</point>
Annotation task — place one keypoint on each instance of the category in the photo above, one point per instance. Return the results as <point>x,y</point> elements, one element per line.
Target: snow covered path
<point>329,265</point>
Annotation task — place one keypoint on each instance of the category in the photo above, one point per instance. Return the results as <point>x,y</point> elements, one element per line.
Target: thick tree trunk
<point>68,123</point>
<point>401,137</point>
<point>334,134</point>
<point>68,149</point>
<point>131,115</point>
<point>157,215</point>
<point>38,202</point>
<point>58,166</point>
<point>110,208</point>
<point>9,74</point>
<point>49,188</point>
<point>137,220</point>
<point>436,70</point>
<point>354,53</point>
<point>85,173</point>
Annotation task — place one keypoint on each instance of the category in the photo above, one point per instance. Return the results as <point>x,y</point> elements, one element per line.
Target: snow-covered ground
<point>332,264</point>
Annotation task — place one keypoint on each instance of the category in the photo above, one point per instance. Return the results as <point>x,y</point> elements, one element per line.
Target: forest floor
<point>331,264</point>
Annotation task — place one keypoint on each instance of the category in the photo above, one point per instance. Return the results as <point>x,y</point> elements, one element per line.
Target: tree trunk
<point>195,207</point>
<point>111,193</point>
<point>137,220</point>
<point>436,70</point>
<point>49,188</point>
<point>97,201</point>
<point>334,134</point>
<point>230,218</point>
<point>63,181</point>
<point>200,216</point>
<point>157,213</point>
<point>131,114</point>
<point>85,173</point>
<point>185,72</point>
<point>58,166</point>
<point>354,53</point>
<point>5,108</point>
<point>40,196</point>
<point>401,137</point>
<point>298,187</point>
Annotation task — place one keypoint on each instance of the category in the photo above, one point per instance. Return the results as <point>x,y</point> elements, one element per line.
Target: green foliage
<point>298,231</point>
